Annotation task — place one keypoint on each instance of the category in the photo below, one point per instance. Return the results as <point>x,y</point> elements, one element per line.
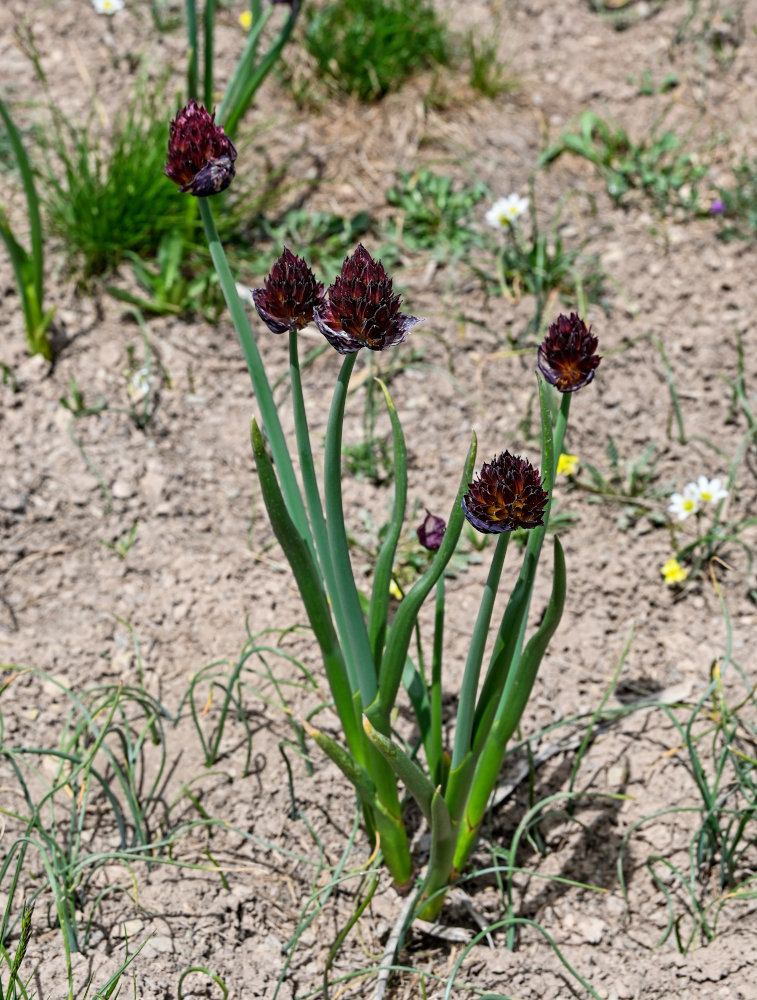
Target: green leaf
<point>379,607</point>
<point>416,782</point>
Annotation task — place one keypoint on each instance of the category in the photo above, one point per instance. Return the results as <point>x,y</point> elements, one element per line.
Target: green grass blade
<point>32,201</point>
<point>207,79</point>
<point>247,58</point>
<point>193,84</point>
<point>248,87</point>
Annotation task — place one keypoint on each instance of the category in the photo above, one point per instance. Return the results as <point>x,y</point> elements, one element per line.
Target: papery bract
<point>290,295</point>
<point>508,494</point>
<point>200,155</point>
<point>362,309</point>
<point>566,356</point>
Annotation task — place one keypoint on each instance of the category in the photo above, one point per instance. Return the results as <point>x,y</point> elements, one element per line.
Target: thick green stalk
<point>268,411</point>
<point>469,687</point>
<point>549,450</point>
<point>346,590</point>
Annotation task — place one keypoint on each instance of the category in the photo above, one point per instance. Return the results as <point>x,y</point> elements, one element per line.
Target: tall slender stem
<point>346,590</point>
<point>282,459</point>
<point>469,688</point>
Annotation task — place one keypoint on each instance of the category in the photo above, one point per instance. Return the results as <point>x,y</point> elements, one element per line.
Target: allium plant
<point>366,656</point>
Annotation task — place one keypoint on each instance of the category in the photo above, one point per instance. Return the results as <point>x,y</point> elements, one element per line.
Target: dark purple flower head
<point>566,357</point>
<point>290,295</point>
<point>717,207</point>
<point>507,495</point>
<point>200,156</point>
<point>431,531</point>
<point>362,310</point>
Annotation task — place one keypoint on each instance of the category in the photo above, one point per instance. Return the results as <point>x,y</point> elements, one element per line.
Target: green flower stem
<point>549,441</point>
<point>469,687</point>
<point>313,497</point>
<point>382,577</point>
<point>260,383</point>
<point>346,591</point>
<point>512,670</point>
<point>403,625</point>
<point>520,681</point>
<point>434,742</point>
<point>552,443</point>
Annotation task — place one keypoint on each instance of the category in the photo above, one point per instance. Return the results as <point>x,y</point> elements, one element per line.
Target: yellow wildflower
<point>673,572</point>
<point>245,19</point>
<point>567,465</point>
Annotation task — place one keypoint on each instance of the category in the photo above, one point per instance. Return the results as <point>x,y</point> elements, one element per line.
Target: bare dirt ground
<point>204,567</point>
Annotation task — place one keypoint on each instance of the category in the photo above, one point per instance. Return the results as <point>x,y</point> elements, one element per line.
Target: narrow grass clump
<point>107,199</point>
<point>368,48</point>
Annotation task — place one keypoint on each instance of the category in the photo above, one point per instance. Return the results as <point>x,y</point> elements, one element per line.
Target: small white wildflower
<point>139,384</point>
<point>709,490</point>
<point>683,504</point>
<point>506,211</point>
<point>108,6</point>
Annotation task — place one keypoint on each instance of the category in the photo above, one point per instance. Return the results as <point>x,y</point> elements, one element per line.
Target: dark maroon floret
<point>362,309</point>
<point>508,494</point>
<point>200,156</point>
<point>290,295</point>
<point>566,357</point>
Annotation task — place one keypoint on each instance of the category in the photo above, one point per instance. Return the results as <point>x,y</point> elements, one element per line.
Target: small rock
<point>122,490</point>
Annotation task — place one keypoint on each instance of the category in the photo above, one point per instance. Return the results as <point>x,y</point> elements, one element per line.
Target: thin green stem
<point>313,499</point>
<point>346,589</point>
<point>434,744</point>
<point>469,688</point>
<point>268,411</point>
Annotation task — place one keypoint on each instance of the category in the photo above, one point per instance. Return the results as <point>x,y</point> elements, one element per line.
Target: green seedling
<point>434,213</point>
<point>657,167</point>
<point>28,265</point>
<point>123,545</point>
